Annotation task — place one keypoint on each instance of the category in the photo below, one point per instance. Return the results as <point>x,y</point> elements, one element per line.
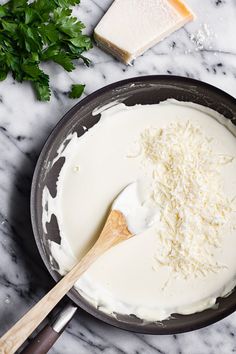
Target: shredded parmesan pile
<point>188,190</point>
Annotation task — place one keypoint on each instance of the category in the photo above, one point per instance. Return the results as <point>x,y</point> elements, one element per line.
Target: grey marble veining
<point>24,126</point>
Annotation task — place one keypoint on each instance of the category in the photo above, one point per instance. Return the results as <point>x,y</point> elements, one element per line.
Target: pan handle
<point>45,339</point>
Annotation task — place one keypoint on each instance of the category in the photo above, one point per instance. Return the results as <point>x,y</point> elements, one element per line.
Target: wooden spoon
<point>114,232</point>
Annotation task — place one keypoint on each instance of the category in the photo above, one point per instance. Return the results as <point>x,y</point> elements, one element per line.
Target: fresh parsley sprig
<point>40,31</point>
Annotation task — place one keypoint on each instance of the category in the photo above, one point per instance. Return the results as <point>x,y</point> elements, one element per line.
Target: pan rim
<point>137,327</point>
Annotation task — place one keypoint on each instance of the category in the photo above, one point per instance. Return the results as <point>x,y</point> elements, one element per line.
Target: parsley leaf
<point>3,11</point>
<point>64,60</point>
<point>76,91</point>
<point>42,89</point>
<point>3,74</point>
<point>32,71</point>
<point>42,30</point>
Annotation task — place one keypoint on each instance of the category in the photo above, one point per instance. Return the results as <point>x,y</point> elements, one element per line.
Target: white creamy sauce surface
<point>97,167</point>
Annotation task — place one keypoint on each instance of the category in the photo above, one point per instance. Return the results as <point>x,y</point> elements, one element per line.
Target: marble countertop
<point>204,50</point>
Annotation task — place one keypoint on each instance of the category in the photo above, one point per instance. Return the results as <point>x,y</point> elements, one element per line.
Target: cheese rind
<point>130,27</point>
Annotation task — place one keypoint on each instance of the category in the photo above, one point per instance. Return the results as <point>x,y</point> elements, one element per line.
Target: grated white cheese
<point>203,38</point>
<point>187,186</point>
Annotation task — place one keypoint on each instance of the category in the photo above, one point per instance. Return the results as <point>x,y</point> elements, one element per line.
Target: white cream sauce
<point>139,214</point>
<point>97,167</point>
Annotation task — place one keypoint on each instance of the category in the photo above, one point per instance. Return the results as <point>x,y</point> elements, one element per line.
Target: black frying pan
<point>142,90</point>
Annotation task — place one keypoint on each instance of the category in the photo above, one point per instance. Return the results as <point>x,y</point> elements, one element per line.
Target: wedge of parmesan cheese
<point>130,27</point>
